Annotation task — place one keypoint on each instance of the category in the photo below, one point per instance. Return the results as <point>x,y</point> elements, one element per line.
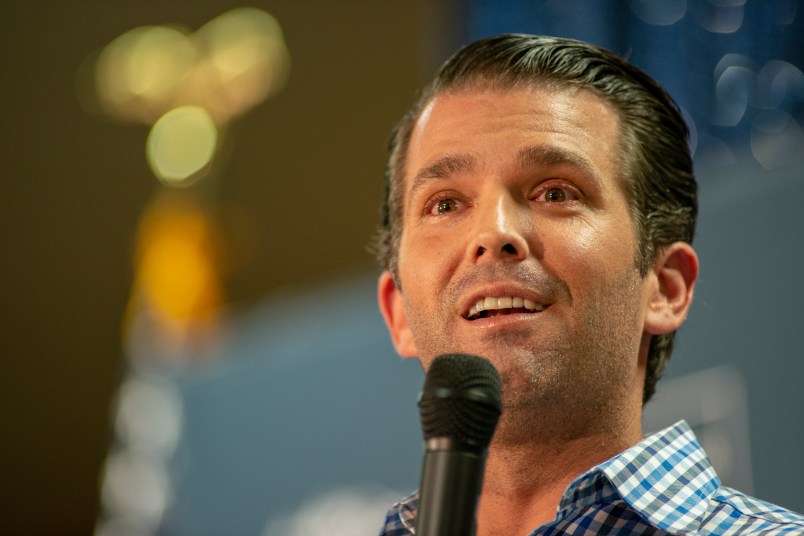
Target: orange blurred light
<point>178,269</point>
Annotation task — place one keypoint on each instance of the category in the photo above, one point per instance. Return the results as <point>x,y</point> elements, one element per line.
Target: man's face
<point>517,246</point>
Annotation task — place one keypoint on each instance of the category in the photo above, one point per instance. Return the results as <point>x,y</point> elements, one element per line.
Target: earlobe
<point>392,307</point>
<point>674,274</point>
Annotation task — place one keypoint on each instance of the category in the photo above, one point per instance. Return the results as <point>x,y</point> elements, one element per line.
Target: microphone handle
<point>450,486</point>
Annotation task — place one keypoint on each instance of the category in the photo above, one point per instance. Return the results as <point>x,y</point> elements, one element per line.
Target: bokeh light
<point>244,61</point>
<point>181,143</point>
<point>776,138</point>
<point>659,12</point>
<point>140,73</point>
<point>228,66</point>
<point>733,91</point>
<point>720,16</point>
<point>136,489</point>
<point>149,415</point>
<point>188,85</point>
<point>178,270</point>
<point>777,82</point>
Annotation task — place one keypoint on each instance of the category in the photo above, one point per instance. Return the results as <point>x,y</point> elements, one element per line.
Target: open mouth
<point>491,306</point>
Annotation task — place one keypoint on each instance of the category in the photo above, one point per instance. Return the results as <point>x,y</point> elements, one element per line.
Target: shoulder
<point>733,512</point>
<point>401,517</point>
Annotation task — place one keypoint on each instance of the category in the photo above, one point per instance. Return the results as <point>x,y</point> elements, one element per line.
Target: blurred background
<point>190,341</point>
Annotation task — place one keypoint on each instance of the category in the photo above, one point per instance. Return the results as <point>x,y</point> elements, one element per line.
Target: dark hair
<point>656,166</point>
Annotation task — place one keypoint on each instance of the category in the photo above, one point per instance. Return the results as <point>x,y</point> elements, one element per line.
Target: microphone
<point>459,407</point>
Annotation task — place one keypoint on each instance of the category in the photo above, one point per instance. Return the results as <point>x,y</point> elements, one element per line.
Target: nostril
<point>509,248</point>
<point>480,251</point>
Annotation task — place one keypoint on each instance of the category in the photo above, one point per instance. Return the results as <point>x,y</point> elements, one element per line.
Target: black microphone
<point>459,407</point>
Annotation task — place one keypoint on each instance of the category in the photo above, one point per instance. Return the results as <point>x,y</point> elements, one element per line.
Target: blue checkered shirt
<point>663,485</point>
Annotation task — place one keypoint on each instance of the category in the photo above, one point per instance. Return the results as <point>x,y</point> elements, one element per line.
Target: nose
<point>501,232</point>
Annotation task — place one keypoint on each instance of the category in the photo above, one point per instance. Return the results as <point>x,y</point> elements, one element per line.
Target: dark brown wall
<point>304,172</point>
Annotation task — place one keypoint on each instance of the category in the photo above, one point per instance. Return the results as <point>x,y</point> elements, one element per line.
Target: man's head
<point>652,158</point>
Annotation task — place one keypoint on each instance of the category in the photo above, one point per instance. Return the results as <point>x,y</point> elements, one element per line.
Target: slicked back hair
<point>655,162</point>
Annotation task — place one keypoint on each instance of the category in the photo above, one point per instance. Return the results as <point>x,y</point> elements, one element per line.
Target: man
<point>539,213</point>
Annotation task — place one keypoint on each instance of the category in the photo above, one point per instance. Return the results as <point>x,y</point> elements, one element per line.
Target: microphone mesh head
<point>461,399</point>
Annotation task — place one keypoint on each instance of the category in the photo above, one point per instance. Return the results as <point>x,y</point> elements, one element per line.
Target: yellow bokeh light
<point>181,143</point>
<point>228,66</point>
<point>241,38</point>
<point>140,73</point>
<point>245,59</point>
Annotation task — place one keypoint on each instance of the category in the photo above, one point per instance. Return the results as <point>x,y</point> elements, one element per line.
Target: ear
<point>392,307</point>
<point>673,280</point>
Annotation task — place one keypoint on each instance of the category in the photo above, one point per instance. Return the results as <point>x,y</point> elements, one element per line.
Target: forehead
<point>492,125</point>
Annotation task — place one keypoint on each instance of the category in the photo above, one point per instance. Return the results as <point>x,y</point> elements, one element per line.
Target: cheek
<point>576,245</point>
<point>415,273</point>
<point>427,261</point>
<point>593,251</point>
<point>586,241</point>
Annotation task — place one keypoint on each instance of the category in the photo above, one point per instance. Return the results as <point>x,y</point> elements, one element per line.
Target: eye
<point>558,194</point>
<point>555,195</point>
<point>443,205</point>
<point>446,205</point>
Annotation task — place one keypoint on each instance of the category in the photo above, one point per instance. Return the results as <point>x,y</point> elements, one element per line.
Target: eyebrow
<point>550,155</point>
<point>532,156</point>
<point>444,167</point>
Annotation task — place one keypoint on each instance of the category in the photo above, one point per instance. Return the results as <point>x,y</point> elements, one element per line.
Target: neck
<point>525,480</point>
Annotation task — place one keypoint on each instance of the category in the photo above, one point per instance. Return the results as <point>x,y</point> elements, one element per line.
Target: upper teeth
<point>507,302</point>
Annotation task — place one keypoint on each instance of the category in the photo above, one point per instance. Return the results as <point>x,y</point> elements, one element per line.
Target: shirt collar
<point>667,478</point>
